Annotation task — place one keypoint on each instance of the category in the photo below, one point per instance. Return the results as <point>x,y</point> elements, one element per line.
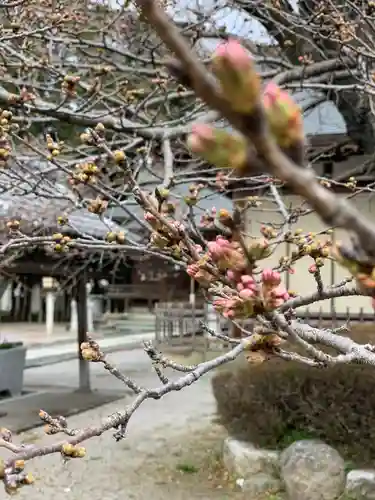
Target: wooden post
<point>84,366</point>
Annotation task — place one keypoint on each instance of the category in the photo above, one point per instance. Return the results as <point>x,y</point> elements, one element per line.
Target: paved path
<point>65,374</point>
<point>143,466</point>
<point>39,355</point>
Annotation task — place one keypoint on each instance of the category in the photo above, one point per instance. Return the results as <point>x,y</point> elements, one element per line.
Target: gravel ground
<point>164,456</point>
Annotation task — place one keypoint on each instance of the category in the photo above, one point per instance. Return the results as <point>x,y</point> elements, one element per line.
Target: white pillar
<point>36,300</point>
<point>73,317</point>
<point>192,292</point>
<point>90,315</point>
<point>50,312</point>
<point>212,322</point>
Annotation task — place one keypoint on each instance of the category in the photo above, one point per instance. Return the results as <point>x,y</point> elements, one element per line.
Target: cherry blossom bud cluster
<point>252,297</point>
<point>240,84</point>
<point>227,254</point>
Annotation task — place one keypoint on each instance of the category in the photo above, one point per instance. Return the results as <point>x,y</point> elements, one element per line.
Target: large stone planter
<point>12,364</point>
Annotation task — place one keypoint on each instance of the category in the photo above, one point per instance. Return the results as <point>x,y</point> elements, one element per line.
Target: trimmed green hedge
<point>276,403</point>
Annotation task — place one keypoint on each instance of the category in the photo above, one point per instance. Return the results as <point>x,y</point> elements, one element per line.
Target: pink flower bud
<point>280,292</point>
<point>230,275</point>
<point>201,137</point>
<point>283,114</point>
<point>149,217</point>
<point>270,277</point>
<point>247,279</point>
<point>312,269</point>
<point>246,294</point>
<point>234,54</point>
<point>235,69</point>
<point>240,287</point>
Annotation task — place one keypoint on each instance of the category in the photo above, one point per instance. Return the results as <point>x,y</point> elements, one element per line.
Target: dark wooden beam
<point>84,366</point>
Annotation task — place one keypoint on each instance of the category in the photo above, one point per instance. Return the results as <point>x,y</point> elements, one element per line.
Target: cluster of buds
<point>91,351</point>
<point>192,198</point>
<point>85,173</point>
<point>15,477</point>
<point>13,225</point>
<point>199,272</point>
<point>54,425</point>
<point>221,181</point>
<point>116,237</point>
<point>5,144</point>
<point>207,219</point>
<point>268,232</point>
<point>308,244</point>
<point>252,297</point>
<point>241,85</point>
<point>227,254</point>
<point>53,147</point>
<point>119,157</point>
<point>97,206</point>
<point>69,85</point>
<point>167,236</point>
<point>273,292</point>
<point>134,94</point>
<point>61,242</point>
<point>88,137</point>
<point>351,184</point>
<point>253,201</point>
<point>70,451</point>
<point>157,225</point>
<point>62,220</point>
<point>325,183</point>
<point>261,345</point>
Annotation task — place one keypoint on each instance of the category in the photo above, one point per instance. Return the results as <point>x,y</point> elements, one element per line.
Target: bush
<point>276,403</point>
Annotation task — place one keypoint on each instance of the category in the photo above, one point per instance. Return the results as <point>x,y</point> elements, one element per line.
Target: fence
<point>178,324</point>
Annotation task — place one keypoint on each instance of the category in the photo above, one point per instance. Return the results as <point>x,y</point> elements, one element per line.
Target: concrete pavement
<point>53,388</point>
<point>40,355</point>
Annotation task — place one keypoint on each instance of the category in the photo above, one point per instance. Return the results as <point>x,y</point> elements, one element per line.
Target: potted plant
<point>12,364</point>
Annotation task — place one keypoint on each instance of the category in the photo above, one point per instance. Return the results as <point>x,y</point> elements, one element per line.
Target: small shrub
<point>276,403</point>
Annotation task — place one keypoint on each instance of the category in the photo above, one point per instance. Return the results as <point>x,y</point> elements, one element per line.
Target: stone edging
<point>306,470</point>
